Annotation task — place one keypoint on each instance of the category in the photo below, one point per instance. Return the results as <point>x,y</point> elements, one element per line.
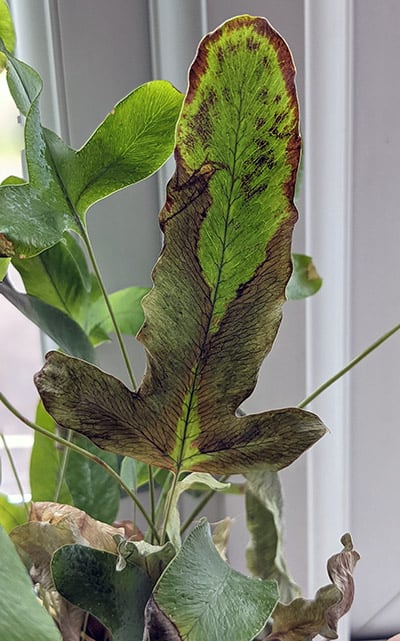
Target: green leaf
<point>64,331</point>
<point>305,280</point>
<point>33,215</point>
<point>202,597</point>
<point>11,514</point>
<point>7,33</point>
<point>128,472</point>
<point>45,464</point>
<point>89,579</point>
<point>219,285</point>
<point>22,617</point>
<point>126,304</point>
<point>13,180</point>
<point>58,276</point>
<point>4,263</point>
<point>264,553</point>
<point>91,487</point>
<point>132,143</point>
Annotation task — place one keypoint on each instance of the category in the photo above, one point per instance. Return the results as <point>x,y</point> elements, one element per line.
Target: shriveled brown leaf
<point>220,535</point>
<point>50,526</point>
<point>340,570</point>
<point>303,619</point>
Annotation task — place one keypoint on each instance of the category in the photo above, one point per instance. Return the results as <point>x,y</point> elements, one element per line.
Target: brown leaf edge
<point>303,619</point>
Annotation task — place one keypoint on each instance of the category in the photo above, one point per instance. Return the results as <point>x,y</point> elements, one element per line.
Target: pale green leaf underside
<point>205,598</point>
<point>305,280</point>
<point>219,285</point>
<point>264,552</point>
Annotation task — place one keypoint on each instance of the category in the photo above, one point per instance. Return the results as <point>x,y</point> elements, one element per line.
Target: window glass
<point>20,339</point>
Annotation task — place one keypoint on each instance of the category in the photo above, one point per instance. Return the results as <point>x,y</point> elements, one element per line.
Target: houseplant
<point>209,321</point>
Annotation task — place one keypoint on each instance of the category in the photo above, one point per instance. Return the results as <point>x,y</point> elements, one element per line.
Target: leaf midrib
<point>214,298</point>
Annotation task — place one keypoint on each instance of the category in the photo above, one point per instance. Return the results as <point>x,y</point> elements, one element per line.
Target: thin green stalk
<point>88,455</point>
<point>152,498</point>
<point>349,366</point>
<point>168,506</point>
<point>63,468</point>
<point>14,469</point>
<point>161,499</point>
<point>201,505</point>
<point>120,340</point>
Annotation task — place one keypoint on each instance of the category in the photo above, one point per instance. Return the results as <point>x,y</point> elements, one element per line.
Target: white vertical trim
<point>34,24</point>
<point>176,27</point>
<point>327,176</point>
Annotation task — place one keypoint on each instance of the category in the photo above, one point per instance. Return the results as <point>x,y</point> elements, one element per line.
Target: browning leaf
<point>219,285</point>
<point>302,619</point>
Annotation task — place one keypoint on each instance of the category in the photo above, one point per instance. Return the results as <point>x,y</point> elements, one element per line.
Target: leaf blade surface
<point>219,285</point>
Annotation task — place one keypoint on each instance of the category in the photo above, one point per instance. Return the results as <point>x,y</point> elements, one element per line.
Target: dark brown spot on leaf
<point>6,247</point>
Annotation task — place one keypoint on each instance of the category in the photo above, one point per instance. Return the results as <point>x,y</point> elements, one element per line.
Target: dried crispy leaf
<point>304,619</point>
<point>219,285</point>
<point>220,535</point>
<point>53,525</point>
<point>340,570</point>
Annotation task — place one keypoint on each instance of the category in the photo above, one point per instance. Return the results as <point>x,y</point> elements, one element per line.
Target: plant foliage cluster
<point>206,325</point>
